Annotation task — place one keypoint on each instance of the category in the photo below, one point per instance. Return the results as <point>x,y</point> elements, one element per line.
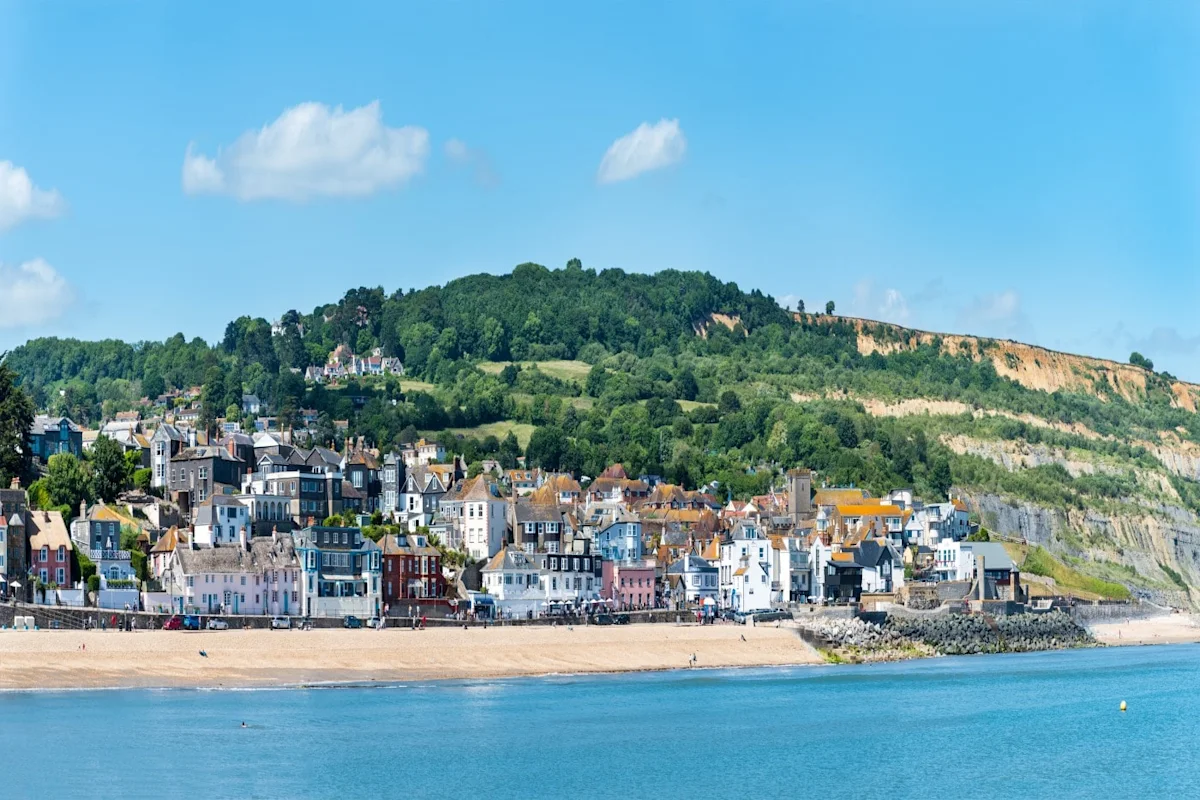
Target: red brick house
<point>412,568</point>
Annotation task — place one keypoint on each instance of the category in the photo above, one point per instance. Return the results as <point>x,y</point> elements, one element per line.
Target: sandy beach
<point>1166,629</point>
<point>239,658</point>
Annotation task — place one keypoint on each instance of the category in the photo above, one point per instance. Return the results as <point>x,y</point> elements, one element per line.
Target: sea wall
<point>1113,612</point>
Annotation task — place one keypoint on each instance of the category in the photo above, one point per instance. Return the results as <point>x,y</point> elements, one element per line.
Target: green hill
<point>684,375</point>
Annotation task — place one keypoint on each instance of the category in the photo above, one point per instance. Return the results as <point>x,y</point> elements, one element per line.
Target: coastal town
<point>251,523</point>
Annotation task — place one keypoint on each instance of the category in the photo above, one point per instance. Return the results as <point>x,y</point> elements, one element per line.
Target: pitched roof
<point>869,510</point>
<point>48,530</point>
<point>833,497</point>
<point>169,541</point>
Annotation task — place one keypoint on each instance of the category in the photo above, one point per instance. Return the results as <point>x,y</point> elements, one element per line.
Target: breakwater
<point>901,637</point>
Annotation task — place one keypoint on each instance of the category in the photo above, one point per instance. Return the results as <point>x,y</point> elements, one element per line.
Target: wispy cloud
<point>887,305</point>
<point>473,158</point>
<point>34,293</point>
<point>21,200</point>
<point>648,147</point>
<point>996,314</point>
<point>311,150</point>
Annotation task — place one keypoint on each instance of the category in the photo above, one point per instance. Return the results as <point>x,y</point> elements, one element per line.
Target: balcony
<point>108,555</point>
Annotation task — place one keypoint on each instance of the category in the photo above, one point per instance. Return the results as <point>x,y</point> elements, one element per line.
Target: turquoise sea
<point>1012,726</point>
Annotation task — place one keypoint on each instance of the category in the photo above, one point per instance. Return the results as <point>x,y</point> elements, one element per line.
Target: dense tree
<point>829,307</point>
<point>547,448</point>
<point>67,483</point>
<point>212,399</point>
<point>110,472</point>
<point>510,451</point>
<point>16,418</point>
<point>729,402</point>
<point>1139,360</point>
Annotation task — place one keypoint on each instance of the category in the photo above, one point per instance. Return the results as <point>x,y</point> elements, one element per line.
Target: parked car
<point>173,624</point>
<point>352,622</point>
<point>191,622</point>
<point>215,624</point>
<point>281,623</point>
<point>622,619</point>
<point>605,619</point>
<point>375,622</point>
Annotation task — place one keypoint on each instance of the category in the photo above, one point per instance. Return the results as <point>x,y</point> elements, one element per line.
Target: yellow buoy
<point>1122,705</point>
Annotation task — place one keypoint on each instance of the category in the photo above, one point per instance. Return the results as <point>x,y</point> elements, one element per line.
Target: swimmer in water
<point>243,724</point>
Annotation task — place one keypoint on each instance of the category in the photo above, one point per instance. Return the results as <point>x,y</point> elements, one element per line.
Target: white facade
<point>484,523</point>
<point>745,570</point>
<point>223,523</point>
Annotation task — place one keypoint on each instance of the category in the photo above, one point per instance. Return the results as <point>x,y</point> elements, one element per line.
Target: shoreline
<point>260,659</point>
<point>1166,628</point>
<point>34,661</point>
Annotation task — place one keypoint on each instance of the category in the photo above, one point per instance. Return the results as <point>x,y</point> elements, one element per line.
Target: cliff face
<point>1029,365</point>
<point>1144,539</point>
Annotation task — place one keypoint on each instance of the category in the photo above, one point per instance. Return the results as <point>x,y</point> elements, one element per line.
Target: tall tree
<point>16,418</point>
<point>212,398</point>
<point>67,482</point>
<point>110,473</point>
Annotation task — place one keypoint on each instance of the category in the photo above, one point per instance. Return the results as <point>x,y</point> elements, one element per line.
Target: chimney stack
<point>979,565</point>
<point>16,483</point>
<point>242,539</point>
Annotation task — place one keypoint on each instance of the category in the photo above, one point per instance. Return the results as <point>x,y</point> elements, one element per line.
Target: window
<point>45,556</point>
<point>204,473</point>
<point>60,576</point>
<point>62,553</point>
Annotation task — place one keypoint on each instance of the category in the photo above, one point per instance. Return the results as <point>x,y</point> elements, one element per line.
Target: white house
<point>484,519</point>
<point>258,577</point>
<point>745,569</point>
<point>692,580</point>
<point>222,519</point>
<point>514,580</point>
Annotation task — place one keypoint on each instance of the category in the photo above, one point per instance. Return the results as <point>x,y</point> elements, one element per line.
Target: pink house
<point>629,584</point>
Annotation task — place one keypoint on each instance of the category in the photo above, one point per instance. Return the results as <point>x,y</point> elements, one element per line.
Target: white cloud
<point>647,148</point>
<point>34,293</point>
<point>890,305</point>
<point>311,150</point>
<point>21,200</point>
<point>461,155</point>
<point>894,307</point>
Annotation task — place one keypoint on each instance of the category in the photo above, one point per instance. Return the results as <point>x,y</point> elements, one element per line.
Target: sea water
<point>1010,726</point>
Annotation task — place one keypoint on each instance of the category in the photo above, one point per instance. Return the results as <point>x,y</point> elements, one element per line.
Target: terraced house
<point>341,572</point>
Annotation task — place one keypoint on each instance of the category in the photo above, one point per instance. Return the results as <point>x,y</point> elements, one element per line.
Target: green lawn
<point>522,431</point>
<point>566,370</point>
<point>415,386</point>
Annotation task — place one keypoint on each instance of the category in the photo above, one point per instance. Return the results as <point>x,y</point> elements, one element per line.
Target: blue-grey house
<point>341,572</point>
<point>50,436</point>
<point>621,539</point>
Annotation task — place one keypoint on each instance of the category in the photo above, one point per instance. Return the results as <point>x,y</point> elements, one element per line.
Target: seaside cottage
<point>692,581</point>
<point>261,576</point>
<point>50,549</point>
<point>98,533</point>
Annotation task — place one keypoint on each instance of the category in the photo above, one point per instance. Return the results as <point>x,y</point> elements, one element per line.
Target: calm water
<point>1030,725</point>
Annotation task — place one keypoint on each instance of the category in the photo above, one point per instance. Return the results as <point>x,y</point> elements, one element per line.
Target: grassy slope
<point>1037,561</point>
<point>565,370</point>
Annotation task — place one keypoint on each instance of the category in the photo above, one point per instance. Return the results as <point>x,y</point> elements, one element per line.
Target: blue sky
<point>1026,170</point>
